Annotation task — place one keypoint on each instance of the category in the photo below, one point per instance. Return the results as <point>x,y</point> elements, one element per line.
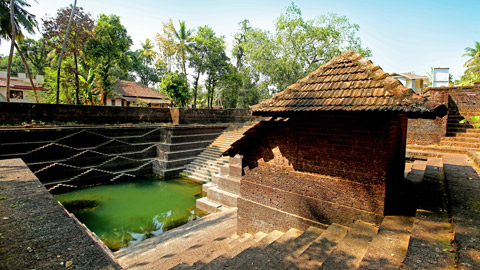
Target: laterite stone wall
<point>333,167</point>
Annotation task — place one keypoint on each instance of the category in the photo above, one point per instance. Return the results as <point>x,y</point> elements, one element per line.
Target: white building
<point>416,82</point>
<point>20,87</point>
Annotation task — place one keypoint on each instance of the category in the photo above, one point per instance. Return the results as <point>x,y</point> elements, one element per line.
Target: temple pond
<point>127,213</point>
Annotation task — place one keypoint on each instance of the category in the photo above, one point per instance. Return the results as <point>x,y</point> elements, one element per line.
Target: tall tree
<point>215,68</point>
<point>107,50</point>
<point>81,29</point>
<point>299,46</point>
<point>177,43</point>
<point>239,40</point>
<point>205,45</point>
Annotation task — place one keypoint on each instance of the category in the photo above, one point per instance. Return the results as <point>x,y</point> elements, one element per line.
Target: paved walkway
<point>35,230</point>
<point>464,188</point>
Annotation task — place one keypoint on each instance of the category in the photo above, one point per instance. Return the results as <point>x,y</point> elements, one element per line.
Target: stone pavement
<point>35,230</point>
<point>464,188</point>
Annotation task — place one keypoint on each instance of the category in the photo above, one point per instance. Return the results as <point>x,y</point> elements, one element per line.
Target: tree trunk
<point>28,72</point>
<point>195,90</point>
<point>63,50</point>
<point>77,80</point>
<point>12,48</point>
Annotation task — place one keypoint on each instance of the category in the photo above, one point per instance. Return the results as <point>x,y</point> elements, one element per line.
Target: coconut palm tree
<point>22,19</point>
<point>148,54</point>
<point>184,39</point>
<point>474,53</point>
<point>13,13</point>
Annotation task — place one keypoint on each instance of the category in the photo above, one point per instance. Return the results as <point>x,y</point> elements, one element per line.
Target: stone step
<point>187,130</point>
<point>462,139</point>
<point>430,241</point>
<point>205,167</point>
<point>460,128</point>
<point>227,263</point>
<point>320,248</point>
<point>301,244</point>
<point>208,185</point>
<point>443,149</point>
<point>172,147</point>
<point>180,154</point>
<point>471,145</point>
<point>237,246</point>
<point>152,253</point>
<point>169,173</point>
<point>193,137</point>
<point>227,184</point>
<point>471,135</point>
<point>207,205</point>
<point>263,258</point>
<point>272,256</point>
<point>223,197</point>
<point>420,154</point>
<point>196,252</point>
<point>417,172</point>
<point>349,253</point>
<point>210,164</point>
<point>389,248</point>
<point>200,178</point>
<point>206,171</point>
<point>172,164</point>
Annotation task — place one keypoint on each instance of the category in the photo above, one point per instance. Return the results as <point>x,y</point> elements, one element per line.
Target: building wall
<point>318,170</point>
<point>118,102</point>
<point>462,103</point>
<point>28,95</point>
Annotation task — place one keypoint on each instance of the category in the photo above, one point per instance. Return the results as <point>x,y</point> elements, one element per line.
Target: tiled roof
<point>23,87</point>
<point>134,89</point>
<point>348,82</point>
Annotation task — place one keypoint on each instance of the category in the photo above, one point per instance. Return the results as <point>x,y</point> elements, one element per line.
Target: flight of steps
<point>400,242</point>
<point>181,147</point>
<point>224,189</point>
<point>208,163</point>
<point>461,136</point>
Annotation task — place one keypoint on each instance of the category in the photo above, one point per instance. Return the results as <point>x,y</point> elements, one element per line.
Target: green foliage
<point>145,65</point>
<point>174,86</point>
<point>17,64</point>
<point>209,58</point>
<point>298,46</point>
<point>474,121</point>
<point>108,49</point>
<point>22,19</point>
<point>36,52</point>
<point>472,74</point>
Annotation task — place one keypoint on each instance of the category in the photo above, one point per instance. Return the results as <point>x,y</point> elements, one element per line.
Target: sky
<point>404,36</point>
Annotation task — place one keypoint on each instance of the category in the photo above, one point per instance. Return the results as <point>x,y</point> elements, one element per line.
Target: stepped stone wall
<point>462,102</point>
<point>74,157</point>
<point>334,167</point>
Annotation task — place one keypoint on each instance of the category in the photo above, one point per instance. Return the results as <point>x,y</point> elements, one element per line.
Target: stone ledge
<point>43,234</point>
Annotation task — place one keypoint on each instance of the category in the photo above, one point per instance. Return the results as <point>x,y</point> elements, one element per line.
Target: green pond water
<point>126,213</point>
